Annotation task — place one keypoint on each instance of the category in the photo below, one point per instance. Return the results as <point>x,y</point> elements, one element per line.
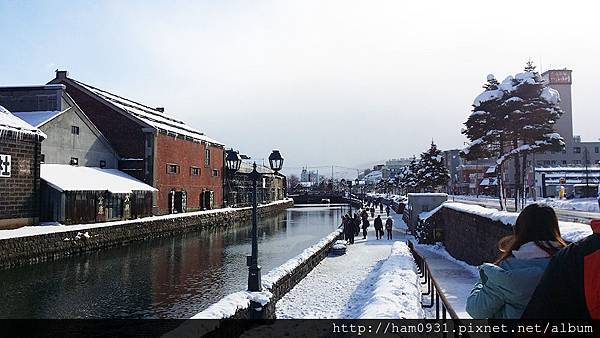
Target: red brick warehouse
<point>181,162</point>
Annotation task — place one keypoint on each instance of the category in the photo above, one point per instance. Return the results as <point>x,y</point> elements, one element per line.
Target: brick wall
<point>19,204</point>
<point>33,249</point>
<point>187,154</point>
<point>124,135</point>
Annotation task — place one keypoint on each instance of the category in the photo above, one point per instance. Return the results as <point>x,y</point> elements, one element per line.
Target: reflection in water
<point>164,278</point>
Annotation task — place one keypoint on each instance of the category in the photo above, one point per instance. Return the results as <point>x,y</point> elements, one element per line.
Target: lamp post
<point>233,163</point>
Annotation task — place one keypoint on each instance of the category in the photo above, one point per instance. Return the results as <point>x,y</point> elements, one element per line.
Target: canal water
<point>173,277</point>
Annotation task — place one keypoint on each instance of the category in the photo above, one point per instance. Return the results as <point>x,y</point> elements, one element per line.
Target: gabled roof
<point>38,118</point>
<point>150,116</point>
<point>13,124</point>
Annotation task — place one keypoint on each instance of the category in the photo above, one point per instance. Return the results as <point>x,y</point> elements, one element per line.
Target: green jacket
<point>504,290</point>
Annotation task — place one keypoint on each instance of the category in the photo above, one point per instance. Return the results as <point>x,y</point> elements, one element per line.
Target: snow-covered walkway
<point>340,286</point>
<point>455,277</point>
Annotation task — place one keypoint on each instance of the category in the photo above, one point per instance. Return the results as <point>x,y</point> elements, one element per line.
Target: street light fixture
<point>233,164</point>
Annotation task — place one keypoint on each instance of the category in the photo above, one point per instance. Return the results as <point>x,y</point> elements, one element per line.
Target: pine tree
<point>486,128</point>
<point>511,120</point>
<point>410,180</point>
<point>533,112</point>
<point>432,173</point>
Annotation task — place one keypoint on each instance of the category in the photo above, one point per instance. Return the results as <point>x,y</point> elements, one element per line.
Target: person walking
<point>372,212</point>
<point>380,207</point>
<point>349,230</point>
<point>365,226</point>
<point>356,224</point>
<point>388,227</point>
<point>378,227</point>
<point>387,210</point>
<point>505,288</point>
<point>569,287</point>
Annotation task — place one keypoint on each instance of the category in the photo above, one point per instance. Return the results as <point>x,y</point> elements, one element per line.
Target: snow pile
<point>550,95</point>
<point>397,290</point>
<point>230,304</point>
<point>580,204</point>
<point>570,231</point>
<point>289,266</point>
<point>13,124</point>
<point>64,177</point>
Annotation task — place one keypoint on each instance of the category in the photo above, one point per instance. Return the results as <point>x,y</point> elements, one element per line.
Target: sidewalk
<point>455,277</point>
<point>339,287</point>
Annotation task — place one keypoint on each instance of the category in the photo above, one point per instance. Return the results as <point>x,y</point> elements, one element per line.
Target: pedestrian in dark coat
<point>365,226</point>
<point>372,212</point>
<point>570,285</point>
<point>387,210</point>
<point>356,224</point>
<point>348,229</point>
<point>388,227</point>
<point>381,208</point>
<point>378,227</point>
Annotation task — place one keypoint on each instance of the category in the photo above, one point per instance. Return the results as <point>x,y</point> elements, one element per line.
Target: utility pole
<point>587,173</point>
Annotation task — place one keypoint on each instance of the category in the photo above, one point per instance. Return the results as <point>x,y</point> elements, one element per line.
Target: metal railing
<point>434,291</point>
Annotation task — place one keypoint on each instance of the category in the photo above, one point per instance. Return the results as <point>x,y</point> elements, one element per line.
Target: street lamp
<point>233,164</point>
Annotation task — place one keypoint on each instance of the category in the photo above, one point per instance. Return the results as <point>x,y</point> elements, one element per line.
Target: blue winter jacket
<point>504,290</point>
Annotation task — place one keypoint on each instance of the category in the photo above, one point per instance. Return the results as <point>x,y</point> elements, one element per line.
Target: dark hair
<point>536,223</point>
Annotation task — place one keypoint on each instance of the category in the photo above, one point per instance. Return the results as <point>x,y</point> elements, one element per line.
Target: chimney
<point>160,109</point>
<point>61,74</point>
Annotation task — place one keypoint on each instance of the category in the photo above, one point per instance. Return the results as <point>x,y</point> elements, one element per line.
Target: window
<point>172,169</point>
<point>74,161</point>
<point>597,150</point>
<point>102,164</point>
<point>207,156</point>
<point>195,171</point>
<point>577,162</point>
<point>75,130</point>
<point>42,158</point>
<point>215,172</point>
<point>577,150</point>
<point>564,162</point>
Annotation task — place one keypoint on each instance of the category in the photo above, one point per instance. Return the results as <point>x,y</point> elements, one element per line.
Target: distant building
<point>577,152</point>
<point>72,137</point>
<point>20,150</point>
<point>548,181</point>
<point>396,165</point>
<point>181,162</point>
<point>239,188</point>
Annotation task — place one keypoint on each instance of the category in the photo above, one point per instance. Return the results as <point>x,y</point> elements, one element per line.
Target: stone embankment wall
<point>469,237</point>
<point>32,249</point>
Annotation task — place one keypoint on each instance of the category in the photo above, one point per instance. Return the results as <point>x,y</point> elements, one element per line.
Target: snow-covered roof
<point>154,117</point>
<point>65,177</point>
<point>11,123</point>
<point>246,168</point>
<point>38,118</point>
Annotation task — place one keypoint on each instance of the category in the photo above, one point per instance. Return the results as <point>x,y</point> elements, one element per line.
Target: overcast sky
<point>327,82</point>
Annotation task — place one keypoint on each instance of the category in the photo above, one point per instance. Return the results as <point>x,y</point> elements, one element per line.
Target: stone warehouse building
<point>271,187</point>
<point>181,162</point>
<point>20,145</point>
<point>72,138</point>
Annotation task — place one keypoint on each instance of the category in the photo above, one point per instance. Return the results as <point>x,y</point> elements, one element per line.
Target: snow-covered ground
<point>350,285</point>
<point>577,204</point>
<point>455,277</point>
<point>47,228</point>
